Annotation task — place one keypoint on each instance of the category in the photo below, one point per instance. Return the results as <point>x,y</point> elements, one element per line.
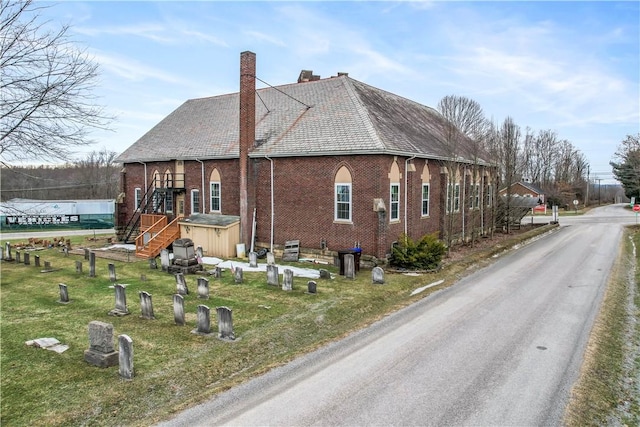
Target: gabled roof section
<point>334,116</point>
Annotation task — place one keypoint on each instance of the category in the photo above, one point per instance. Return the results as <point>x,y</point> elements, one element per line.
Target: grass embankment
<point>608,391</point>
<point>173,367</point>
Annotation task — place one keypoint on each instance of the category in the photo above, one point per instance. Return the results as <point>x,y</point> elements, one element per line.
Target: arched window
<point>214,191</point>
<point>453,192</point>
<point>343,191</point>
<point>394,192</point>
<point>426,189</point>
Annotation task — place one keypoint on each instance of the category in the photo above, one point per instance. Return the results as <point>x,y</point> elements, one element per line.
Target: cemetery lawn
<point>174,368</point>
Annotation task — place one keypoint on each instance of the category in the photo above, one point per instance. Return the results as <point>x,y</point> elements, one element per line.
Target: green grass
<point>173,367</point>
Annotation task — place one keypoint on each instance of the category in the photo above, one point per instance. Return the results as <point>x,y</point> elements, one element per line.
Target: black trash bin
<point>356,252</point>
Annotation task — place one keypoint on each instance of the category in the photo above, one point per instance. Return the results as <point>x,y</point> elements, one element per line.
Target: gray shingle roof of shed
<point>325,117</point>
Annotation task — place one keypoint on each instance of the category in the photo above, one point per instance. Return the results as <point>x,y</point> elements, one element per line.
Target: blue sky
<point>572,67</point>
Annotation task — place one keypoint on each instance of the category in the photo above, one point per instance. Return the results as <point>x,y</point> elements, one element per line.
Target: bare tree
<point>46,102</point>
<point>509,145</point>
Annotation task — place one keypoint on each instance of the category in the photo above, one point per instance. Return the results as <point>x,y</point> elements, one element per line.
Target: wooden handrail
<point>160,240</point>
<point>148,233</point>
<point>149,220</point>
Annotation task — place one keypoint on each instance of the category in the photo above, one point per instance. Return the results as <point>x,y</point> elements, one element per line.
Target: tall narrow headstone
<point>86,254</point>
<point>287,280</point>
<point>112,272</point>
<point>78,266</point>
<point>225,323</point>
<point>121,302</point>
<point>199,253</point>
<point>7,252</point>
<point>349,266</point>
<point>18,257</point>
<point>153,264</point>
<point>181,284</point>
<point>253,259</point>
<point>27,259</point>
<point>377,276</point>
<point>165,261</point>
<point>146,305</point>
<point>65,250</point>
<point>311,287</point>
<point>64,294</point>
<point>203,288</point>
<point>273,278</point>
<point>217,272</point>
<point>125,357</point>
<point>101,352</point>
<point>36,260</point>
<point>237,275</point>
<point>203,322</point>
<point>178,309</point>
<point>271,259</point>
<point>92,264</point>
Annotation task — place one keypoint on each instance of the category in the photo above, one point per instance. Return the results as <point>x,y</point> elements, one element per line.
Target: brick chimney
<point>247,138</point>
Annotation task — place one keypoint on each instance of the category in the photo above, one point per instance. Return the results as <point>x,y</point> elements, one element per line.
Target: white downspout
<point>204,207</point>
<point>272,204</point>
<point>146,187</point>
<point>406,183</point>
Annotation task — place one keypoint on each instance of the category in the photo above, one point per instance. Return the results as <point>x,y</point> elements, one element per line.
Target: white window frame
<point>212,198</point>
<point>489,195</point>
<point>168,201</point>
<point>394,203</point>
<point>137,198</point>
<point>338,202</point>
<point>456,197</point>
<point>195,192</point>
<point>428,187</point>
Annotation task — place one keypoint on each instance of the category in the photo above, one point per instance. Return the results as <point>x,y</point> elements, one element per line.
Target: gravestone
<point>181,284</point>
<point>225,324</point>
<point>217,272</point>
<point>178,309</point>
<point>312,287</point>
<point>271,258</point>
<point>101,352</point>
<point>324,274</point>
<point>199,253</point>
<point>146,305</point>
<point>153,264</point>
<point>112,272</point>
<point>253,259</point>
<point>273,278</point>
<point>64,294</point>
<point>86,254</point>
<point>203,288</point>
<point>349,266</point>
<point>36,260</point>
<point>377,276</point>
<point>78,266</point>
<point>92,264</point>
<point>121,302</point>
<point>18,257</point>
<point>47,266</point>
<point>203,323</point>
<point>237,275</point>
<point>27,260</point>
<point>7,252</point>
<point>165,261</point>
<point>125,358</point>
<point>287,280</point>
<point>65,250</point>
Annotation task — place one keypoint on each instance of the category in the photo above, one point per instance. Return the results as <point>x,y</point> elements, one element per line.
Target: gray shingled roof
<point>334,116</point>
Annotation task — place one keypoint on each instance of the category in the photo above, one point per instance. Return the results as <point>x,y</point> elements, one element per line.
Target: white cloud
<point>265,37</point>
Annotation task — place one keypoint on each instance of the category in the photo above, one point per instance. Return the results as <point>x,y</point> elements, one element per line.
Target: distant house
<point>334,163</point>
<point>527,189</point>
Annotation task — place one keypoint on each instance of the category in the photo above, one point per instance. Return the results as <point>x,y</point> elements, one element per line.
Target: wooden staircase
<point>157,236</point>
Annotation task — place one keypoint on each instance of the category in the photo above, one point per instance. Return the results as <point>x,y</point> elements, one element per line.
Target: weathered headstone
<point>199,253</point>
<point>178,309</point>
<point>121,302</point>
<point>324,274</point>
<point>92,264</point>
<point>7,252</point>
<point>36,260</point>
<point>78,266</point>
<point>225,323</point>
<point>47,266</point>
<point>287,280</point>
<point>125,357</point>
<point>153,264</point>
<point>253,259</point>
<point>203,288</point>
<point>101,352</point>
<point>64,294</point>
<point>273,277</point>
<point>237,275</point>
<point>86,254</point>
<point>65,250</point>
<point>349,266</point>
<point>27,259</point>
<point>312,287</point>
<point>18,257</point>
<point>377,276</point>
<point>271,259</point>
<point>146,305</point>
<point>112,272</point>
<point>165,261</point>
<point>203,322</point>
<point>181,284</point>
<point>217,272</point>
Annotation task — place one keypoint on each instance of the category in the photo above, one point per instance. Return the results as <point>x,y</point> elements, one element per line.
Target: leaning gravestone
<point>125,358</point>
<point>101,352</point>
<point>92,264</point>
<point>165,261</point>
<point>203,288</point>
<point>112,272</point>
<point>121,302</point>
<point>36,260</point>
<point>377,276</point>
<point>287,280</point>
<point>349,266</point>
<point>312,287</point>
<point>78,266</point>
<point>225,324</point>
<point>27,260</point>
<point>178,310</point>
<point>273,278</point>
<point>203,323</point>
<point>181,284</point>
<point>237,275</point>
<point>253,259</point>
<point>64,294</point>
<point>146,305</point>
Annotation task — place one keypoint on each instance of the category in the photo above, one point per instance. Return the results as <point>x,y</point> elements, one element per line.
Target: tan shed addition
<point>217,234</point>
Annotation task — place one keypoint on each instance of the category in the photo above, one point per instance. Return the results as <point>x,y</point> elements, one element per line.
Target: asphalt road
<point>501,347</point>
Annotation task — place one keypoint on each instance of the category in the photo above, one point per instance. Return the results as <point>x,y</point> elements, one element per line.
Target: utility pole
<point>586,199</point>
<point>599,191</point>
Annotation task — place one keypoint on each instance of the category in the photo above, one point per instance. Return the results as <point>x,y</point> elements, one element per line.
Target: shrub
<point>425,254</point>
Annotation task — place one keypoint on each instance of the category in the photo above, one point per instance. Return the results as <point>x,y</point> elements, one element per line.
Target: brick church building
<point>330,162</point>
